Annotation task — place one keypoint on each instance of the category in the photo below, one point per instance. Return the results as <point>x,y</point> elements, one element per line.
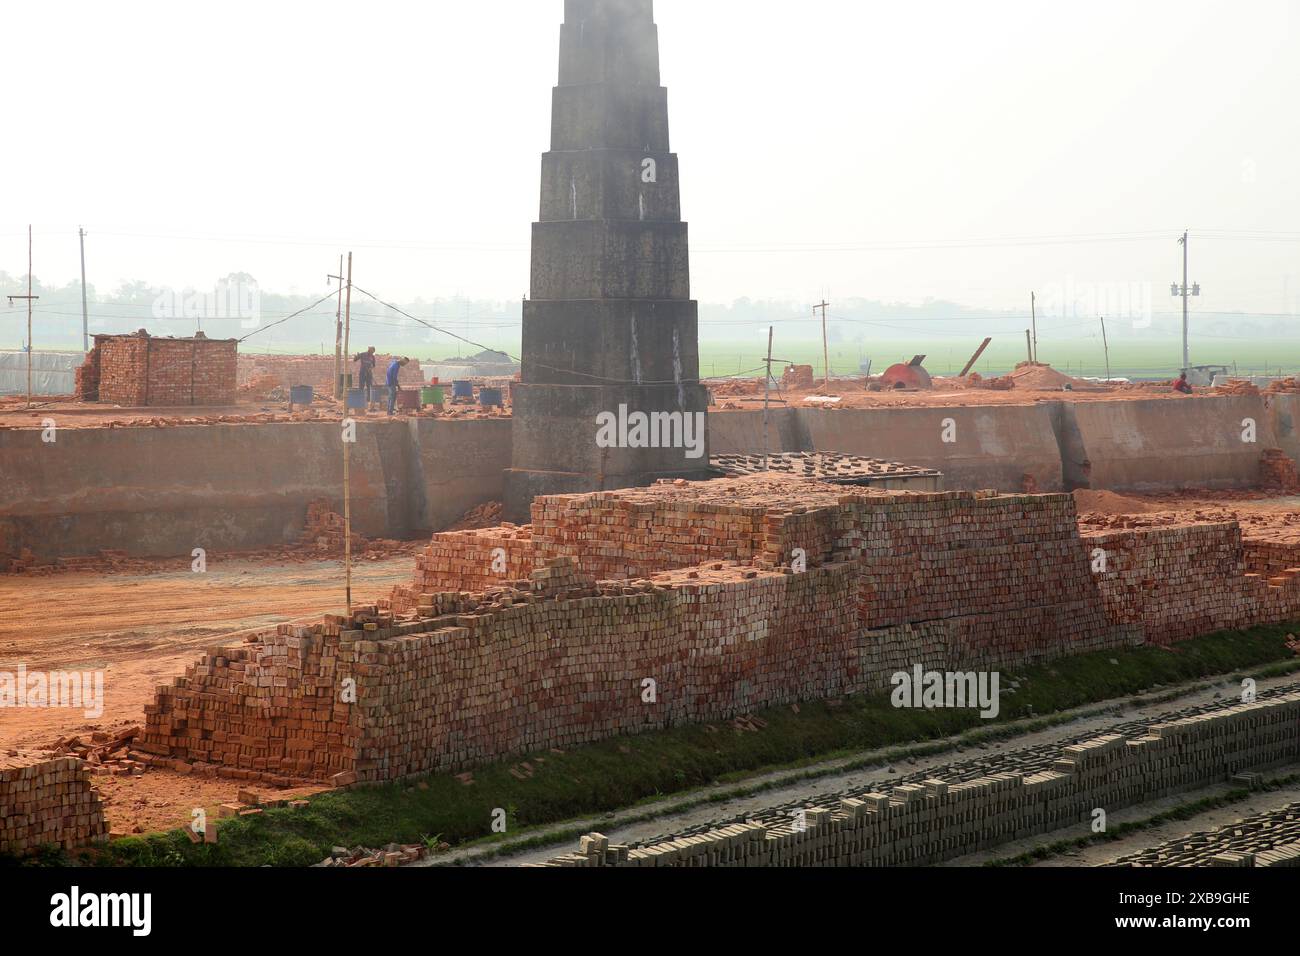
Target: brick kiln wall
<point>137,371</point>
<point>47,800</point>
<point>927,823</point>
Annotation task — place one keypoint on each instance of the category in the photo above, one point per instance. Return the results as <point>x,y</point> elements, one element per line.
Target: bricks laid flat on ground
<point>918,824</point>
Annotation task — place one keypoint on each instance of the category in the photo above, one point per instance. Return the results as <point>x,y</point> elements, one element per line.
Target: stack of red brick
<point>558,660</point>
<point>1173,583</point>
<point>523,661</point>
<point>469,561</point>
<point>138,371</point>
<point>1278,472</point>
<point>1271,557</point>
<point>47,800</point>
<point>87,377</point>
<point>325,530</point>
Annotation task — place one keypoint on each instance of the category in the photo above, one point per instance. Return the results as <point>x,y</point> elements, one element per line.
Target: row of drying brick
<point>922,824</point>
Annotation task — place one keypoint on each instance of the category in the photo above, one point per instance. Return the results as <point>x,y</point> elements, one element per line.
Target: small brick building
<point>138,371</point>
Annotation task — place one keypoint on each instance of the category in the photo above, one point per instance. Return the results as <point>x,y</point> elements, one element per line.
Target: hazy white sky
<point>867,149</point>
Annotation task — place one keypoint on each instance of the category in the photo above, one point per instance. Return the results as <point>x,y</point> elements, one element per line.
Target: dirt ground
<point>733,394</point>
<point>142,630</point>
<point>1261,515</point>
<point>67,413</point>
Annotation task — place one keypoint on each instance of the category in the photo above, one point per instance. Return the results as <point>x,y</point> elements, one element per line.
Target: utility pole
<point>85,308</point>
<point>767,391</point>
<point>347,455</point>
<point>826,348</point>
<point>1106,345</point>
<point>340,392</point>
<point>1185,291</point>
<point>1033,315</point>
<point>1029,345</point>
<point>30,299</point>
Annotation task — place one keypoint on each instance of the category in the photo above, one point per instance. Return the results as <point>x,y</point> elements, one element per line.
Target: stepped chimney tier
<point>610,394</point>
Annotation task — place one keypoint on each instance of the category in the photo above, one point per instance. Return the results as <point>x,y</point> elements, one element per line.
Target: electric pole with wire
<point>340,390</point>
<point>1185,291</point>
<point>347,453</point>
<point>826,348</point>
<point>30,299</point>
<point>85,307</point>
<point>767,391</point>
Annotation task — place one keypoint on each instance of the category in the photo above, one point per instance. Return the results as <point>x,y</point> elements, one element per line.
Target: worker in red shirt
<point>1182,385</point>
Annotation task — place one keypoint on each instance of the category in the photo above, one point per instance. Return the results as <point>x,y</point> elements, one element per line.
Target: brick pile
<point>837,469</point>
<point>105,754</point>
<point>1271,838</point>
<point>562,661</point>
<point>798,378</point>
<point>87,377</point>
<point>556,660</point>
<point>138,371</point>
<point>467,561</point>
<point>639,532</point>
<point>325,530</point>
<point>1271,557</point>
<point>270,711</point>
<point>1278,473</point>
<point>1182,581</point>
<point>47,799</point>
<point>1284,386</point>
<point>1236,386</point>
<point>919,824</point>
<point>697,589</point>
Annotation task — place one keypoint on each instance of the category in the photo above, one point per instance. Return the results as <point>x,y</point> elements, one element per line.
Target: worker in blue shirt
<point>394,374</point>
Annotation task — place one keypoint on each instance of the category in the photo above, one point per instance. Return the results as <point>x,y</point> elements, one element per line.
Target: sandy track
<point>143,629</point>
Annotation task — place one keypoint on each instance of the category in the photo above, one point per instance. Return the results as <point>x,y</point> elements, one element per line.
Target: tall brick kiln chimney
<point>610,329</point>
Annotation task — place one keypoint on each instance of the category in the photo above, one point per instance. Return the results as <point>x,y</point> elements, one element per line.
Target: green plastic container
<point>432,396</point>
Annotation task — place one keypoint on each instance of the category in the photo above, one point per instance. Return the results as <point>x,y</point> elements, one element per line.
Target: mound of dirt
<point>1110,503</point>
<point>1042,378</point>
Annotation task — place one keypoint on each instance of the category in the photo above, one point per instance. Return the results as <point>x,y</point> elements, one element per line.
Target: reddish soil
<point>143,630</point>
<point>68,413</point>
<point>1261,516</point>
<point>1027,385</point>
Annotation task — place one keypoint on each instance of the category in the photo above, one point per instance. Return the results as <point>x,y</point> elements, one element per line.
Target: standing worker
<point>394,385</point>
<point>367,362</point>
